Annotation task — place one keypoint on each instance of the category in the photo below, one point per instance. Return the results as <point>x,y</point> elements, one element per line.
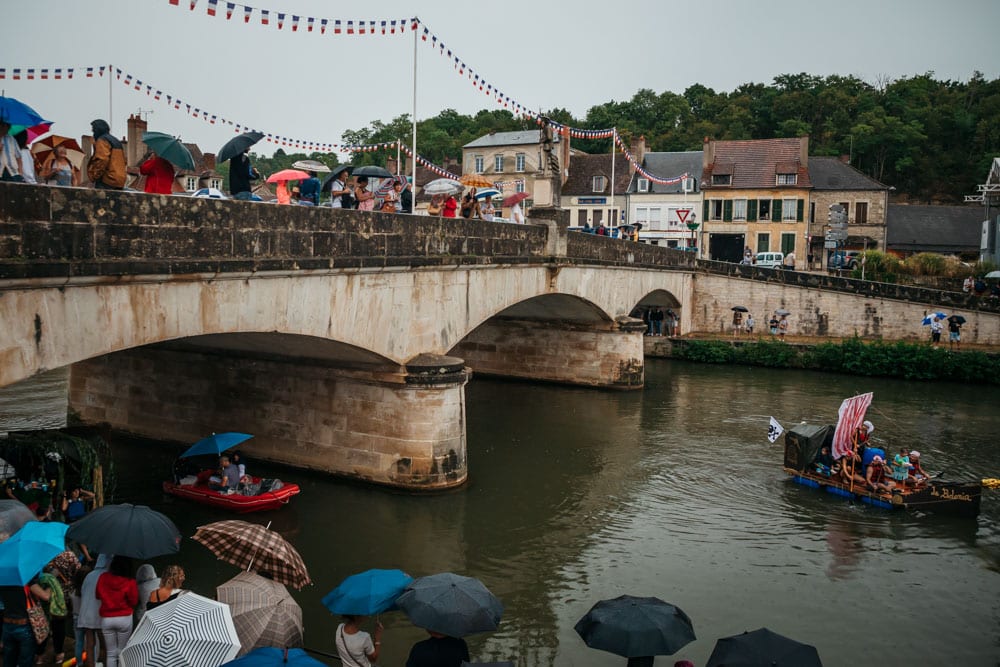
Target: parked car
<point>845,259</point>
<point>770,260</point>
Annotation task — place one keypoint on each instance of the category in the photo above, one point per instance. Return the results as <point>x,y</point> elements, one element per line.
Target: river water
<point>578,495</point>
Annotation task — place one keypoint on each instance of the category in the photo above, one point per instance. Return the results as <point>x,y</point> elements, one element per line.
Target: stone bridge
<point>344,339</point>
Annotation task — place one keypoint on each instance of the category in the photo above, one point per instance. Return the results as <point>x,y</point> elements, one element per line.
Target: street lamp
<point>692,224</point>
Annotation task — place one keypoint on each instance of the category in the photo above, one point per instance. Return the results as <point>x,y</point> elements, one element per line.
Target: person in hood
<point>241,172</point>
<point>89,617</point>
<point>107,166</point>
<point>147,581</point>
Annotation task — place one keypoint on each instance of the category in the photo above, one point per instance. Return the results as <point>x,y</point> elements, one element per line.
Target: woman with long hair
<point>119,595</point>
<point>170,587</point>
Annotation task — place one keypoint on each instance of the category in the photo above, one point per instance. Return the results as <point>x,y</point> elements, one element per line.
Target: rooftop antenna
<point>144,113</point>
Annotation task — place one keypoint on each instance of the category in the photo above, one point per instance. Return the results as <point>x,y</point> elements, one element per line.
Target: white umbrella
<point>443,186</point>
<point>311,165</point>
<point>189,630</point>
<point>488,193</point>
<point>993,274</point>
<point>209,193</point>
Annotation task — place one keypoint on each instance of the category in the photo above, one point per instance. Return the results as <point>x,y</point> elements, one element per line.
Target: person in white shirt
<point>27,159</point>
<point>516,215</point>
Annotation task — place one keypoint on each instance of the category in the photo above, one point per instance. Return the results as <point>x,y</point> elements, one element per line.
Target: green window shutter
<point>801,210</point>
<point>752,210</point>
<point>704,211</point>
<point>775,210</point>
<point>727,210</point>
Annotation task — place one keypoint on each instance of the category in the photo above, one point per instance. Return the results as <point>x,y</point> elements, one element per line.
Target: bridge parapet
<point>946,300</point>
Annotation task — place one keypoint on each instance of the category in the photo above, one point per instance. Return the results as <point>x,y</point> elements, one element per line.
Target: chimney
<point>708,153</point>
<point>87,143</point>
<point>209,160</point>
<point>638,149</point>
<point>134,147</point>
<point>804,150</point>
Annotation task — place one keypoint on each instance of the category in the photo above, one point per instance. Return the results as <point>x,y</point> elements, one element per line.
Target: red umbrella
<point>287,175</point>
<point>515,198</point>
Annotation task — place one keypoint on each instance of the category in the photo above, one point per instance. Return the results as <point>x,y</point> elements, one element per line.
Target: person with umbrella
<point>10,155</point>
<point>309,189</point>
<point>438,650</point>
<point>58,170</point>
<point>119,596</point>
<point>955,323</point>
<point>241,172</point>
<point>356,647</point>
<point>107,166</point>
<point>486,209</point>
<point>405,195</point>
<point>936,328</point>
<point>340,195</point>
<point>18,639</point>
<point>159,174</point>
<point>364,196</point>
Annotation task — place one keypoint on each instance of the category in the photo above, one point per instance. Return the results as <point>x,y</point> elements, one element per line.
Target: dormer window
<point>786,179</point>
<point>642,185</point>
<point>722,179</point>
<point>599,183</point>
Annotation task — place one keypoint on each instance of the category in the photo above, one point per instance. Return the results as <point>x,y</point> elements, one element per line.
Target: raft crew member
<point>229,476</point>
<point>824,461</point>
<point>917,473</point>
<point>901,467</point>
<point>875,476</point>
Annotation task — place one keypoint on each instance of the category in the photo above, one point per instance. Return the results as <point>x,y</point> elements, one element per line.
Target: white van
<point>770,259</point>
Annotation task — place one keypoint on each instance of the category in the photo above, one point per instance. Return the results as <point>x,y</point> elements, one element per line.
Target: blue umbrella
<point>275,657</point>
<point>216,443</point>
<point>488,192</point>
<point>29,550</point>
<point>451,604</point>
<point>367,593</point>
<point>14,112</point>
<point>930,318</point>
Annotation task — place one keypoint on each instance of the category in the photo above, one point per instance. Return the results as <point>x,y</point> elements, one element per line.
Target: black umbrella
<point>782,312</point>
<point>127,530</point>
<point>956,318</point>
<point>635,627</point>
<point>13,515</point>
<point>336,171</point>
<point>763,648</point>
<point>741,309</point>
<point>237,145</point>
<point>451,604</point>
<point>372,170</point>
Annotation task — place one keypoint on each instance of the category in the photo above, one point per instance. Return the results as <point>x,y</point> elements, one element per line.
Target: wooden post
<point>98,486</point>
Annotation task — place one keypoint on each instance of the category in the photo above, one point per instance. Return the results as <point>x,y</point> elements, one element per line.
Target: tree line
<point>933,140</point>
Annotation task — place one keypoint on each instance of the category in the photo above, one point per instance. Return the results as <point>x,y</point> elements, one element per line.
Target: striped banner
<point>851,414</point>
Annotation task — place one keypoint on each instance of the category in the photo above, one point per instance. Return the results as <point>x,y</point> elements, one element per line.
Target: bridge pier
<point>401,427</point>
<point>568,353</point>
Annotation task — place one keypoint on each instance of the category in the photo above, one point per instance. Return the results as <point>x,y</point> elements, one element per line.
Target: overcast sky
<point>541,53</point>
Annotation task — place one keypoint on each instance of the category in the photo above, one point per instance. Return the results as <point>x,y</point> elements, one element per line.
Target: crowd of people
<point>659,322</point>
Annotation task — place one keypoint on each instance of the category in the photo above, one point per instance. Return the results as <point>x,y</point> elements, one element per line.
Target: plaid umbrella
<point>189,630</point>
<point>263,612</point>
<point>253,547</point>
<point>475,181</point>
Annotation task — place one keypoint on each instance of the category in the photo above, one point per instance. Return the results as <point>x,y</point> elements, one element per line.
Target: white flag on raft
<point>774,430</point>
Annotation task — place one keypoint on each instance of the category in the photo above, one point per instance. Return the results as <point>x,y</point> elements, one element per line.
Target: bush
<point>910,361</point>
<point>926,264</point>
<point>879,267</point>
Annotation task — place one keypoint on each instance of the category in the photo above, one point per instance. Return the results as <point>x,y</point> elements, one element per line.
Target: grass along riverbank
<point>854,356</point>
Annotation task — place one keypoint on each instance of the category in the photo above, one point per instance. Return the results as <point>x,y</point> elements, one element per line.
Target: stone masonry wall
<point>301,415</point>
<point>586,357</point>
<point>816,312</point>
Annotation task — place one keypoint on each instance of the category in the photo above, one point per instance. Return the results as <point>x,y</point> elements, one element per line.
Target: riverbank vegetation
<point>909,361</point>
<point>885,268</point>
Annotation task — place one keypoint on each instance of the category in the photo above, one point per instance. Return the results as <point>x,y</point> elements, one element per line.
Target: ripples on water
<point>578,495</point>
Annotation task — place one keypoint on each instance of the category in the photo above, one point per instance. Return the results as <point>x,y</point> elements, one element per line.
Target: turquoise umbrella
<point>29,550</point>
<point>367,593</point>
<point>169,148</point>
<point>216,443</point>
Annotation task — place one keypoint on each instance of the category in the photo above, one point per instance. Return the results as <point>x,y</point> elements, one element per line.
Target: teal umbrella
<point>29,550</point>
<point>169,148</point>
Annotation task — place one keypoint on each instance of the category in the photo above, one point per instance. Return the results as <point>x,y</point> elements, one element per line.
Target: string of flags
<point>322,26</point>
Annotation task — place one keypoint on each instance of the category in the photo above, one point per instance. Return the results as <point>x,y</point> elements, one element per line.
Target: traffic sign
<point>830,245</point>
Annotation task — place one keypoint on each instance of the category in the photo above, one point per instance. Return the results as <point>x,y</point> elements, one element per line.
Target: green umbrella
<point>169,148</point>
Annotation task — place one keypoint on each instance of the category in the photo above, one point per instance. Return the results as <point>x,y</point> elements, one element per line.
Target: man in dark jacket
<point>241,172</point>
<point>107,167</point>
<point>406,199</point>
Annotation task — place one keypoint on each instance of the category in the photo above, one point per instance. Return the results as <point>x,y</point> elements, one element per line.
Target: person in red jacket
<point>449,208</point>
<point>119,595</point>
<point>159,175</point>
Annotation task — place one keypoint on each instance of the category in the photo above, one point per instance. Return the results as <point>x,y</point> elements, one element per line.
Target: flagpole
<point>111,115</point>
<point>614,135</point>
<point>413,145</point>
<point>399,166</point>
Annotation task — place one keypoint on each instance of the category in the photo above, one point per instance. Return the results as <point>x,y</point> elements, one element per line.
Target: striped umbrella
<point>189,630</point>
<point>263,612</point>
<point>253,547</point>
